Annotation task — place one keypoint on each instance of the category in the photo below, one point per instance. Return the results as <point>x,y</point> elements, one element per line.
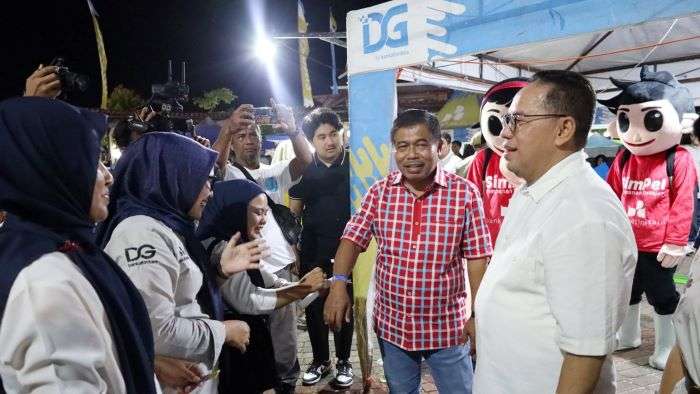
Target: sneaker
<point>315,373</point>
<point>343,374</point>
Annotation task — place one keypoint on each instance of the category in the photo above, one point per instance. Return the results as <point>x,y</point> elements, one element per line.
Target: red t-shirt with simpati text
<point>495,189</point>
<point>661,212</point>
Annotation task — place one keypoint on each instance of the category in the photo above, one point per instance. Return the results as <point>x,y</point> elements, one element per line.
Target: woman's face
<point>100,194</point>
<point>201,202</point>
<point>256,214</point>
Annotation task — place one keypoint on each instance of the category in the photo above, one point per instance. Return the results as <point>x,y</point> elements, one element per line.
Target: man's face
<point>456,146</point>
<point>328,142</point>
<point>530,148</point>
<point>444,148</point>
<point>648,128</point>
<point>416,152</point>
<point>246,144</point>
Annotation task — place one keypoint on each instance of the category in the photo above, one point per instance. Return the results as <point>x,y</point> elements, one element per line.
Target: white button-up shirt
<point>559,281</point>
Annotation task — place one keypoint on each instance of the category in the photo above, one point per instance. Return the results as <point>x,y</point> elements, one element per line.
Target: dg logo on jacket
<point>144,251</point>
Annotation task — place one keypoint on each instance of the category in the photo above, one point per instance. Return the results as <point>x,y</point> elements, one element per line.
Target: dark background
<point>215,37</point>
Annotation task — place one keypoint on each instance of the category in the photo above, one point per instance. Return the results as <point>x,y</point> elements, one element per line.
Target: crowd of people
<point>181,270</point>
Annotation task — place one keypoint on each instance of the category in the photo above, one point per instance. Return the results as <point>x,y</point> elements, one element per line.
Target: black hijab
<point>50,152</point>
<point>226,213</point>
<point>161,175</point>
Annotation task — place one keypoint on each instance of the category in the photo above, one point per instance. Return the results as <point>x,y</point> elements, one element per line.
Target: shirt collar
<point>555,175</point>
<point>440,177</point>
<point>338,161</point>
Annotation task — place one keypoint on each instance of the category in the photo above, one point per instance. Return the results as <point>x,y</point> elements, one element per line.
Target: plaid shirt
<point>422,298</point>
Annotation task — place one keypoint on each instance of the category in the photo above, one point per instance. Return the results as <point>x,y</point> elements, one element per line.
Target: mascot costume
<point>487,171</point>
<point>656,181</point>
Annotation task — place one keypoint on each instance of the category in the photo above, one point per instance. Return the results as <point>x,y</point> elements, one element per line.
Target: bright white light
<point>265,49</point>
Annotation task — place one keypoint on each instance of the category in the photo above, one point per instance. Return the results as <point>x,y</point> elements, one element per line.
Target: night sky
<point>214,36</point>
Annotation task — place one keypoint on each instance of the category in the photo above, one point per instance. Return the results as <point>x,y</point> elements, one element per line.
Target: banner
<point>101,53</point>
<point>407,32</point>
<point>303,56</point>
<point>373,104</point>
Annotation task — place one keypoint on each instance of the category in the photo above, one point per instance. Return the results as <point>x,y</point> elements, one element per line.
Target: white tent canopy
<point>672,45</point>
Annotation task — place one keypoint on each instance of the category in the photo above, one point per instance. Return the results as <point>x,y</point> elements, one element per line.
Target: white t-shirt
<point>276,181</point>
<point>55,335</point>
<point>284,151</point>
<point>559,281</point>
<point>451,162</point>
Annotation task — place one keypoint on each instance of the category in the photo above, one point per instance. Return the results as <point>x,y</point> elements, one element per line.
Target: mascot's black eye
<point>623,122</point>
<point>654,120</point>
<point>495,125</point>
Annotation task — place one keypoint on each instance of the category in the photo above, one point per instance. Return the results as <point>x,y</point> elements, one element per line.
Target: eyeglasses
<point>512,120</point>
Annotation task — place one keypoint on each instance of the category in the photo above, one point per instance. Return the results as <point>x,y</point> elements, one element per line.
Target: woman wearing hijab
<point>71,320</point>
<point>161,187</point>
<point>238,210</point>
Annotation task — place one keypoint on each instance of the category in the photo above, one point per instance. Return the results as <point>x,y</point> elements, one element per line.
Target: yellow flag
<point>333,25</point>
<point>101,53</point>
<point>303,56</point>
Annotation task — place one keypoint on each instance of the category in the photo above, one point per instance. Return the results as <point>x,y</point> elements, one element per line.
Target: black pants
<point>318,331</point>
<point>657,282</point>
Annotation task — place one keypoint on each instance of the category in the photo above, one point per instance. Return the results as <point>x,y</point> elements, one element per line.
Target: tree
<point>123,99</point>
<point>214,98</point>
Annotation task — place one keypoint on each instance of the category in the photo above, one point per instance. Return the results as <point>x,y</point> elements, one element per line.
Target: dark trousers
<point>283,329</point>
<point>657,282</point>
<point>318,330</point>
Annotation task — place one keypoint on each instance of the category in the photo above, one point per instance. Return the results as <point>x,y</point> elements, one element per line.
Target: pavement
<point>634,375</point>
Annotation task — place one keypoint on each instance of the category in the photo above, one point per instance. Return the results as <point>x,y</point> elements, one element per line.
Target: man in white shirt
<point>558,286</point>
<point>276,179</point>
<point>449,161</point>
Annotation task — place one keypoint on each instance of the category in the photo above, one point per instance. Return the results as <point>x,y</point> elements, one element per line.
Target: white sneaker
<point>343,374</point>
<point>315,373</point>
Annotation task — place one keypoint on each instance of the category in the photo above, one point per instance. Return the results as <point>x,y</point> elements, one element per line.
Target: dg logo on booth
<point>386,37</point>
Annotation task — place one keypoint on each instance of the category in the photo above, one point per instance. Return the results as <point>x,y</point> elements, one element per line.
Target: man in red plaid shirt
<point>432,238</point>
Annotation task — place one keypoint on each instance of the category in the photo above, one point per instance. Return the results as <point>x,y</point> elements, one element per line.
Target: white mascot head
<point>494,105</point>
<point>653,113</point>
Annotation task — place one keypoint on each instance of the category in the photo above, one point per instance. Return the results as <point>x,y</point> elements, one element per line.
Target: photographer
<point>44,82</point>
<point>124,133</point>
<point>129,130</point>
<point>276,181</point>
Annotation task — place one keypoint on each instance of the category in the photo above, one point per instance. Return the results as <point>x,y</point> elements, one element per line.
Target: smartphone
<point>264,115</point>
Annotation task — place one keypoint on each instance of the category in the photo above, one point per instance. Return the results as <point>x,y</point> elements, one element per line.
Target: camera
<point>166,100</point>
<point>70,81</point>
<point>167,97</point>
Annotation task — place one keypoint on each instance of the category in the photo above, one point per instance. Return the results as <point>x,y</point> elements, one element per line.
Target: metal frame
<point>336,38</point>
